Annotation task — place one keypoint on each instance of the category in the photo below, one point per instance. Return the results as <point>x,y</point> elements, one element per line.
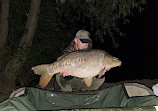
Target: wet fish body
<point>81,64</point>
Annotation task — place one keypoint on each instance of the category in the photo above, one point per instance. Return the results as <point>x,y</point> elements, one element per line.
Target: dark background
<point>139,49</point>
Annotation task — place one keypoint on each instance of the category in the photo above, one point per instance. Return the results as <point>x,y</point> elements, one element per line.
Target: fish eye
<point>114,58</point>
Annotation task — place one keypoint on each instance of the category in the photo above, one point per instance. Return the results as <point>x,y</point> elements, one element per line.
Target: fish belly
<point>85,71</point>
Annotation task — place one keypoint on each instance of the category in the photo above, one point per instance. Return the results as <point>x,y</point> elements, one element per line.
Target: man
<point>69,83</point>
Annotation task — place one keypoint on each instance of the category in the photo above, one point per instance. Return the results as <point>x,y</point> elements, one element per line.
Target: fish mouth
<point>119,64</point>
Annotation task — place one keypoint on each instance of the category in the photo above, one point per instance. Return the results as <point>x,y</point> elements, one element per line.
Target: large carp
<point>81,64</point>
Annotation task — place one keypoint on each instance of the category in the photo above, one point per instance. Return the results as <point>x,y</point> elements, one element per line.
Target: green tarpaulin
<point>110,99</point>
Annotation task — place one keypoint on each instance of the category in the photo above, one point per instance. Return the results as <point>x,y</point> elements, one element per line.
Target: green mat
<point>110,99</point>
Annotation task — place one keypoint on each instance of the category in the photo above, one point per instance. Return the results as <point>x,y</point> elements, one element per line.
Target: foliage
<point>4,96</point>
<point>102,17</point>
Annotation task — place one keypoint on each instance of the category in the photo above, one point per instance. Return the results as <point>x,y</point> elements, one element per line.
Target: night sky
<point>139,50</point>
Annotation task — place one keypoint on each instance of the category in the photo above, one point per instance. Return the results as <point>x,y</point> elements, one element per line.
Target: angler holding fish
<point>81,63</point>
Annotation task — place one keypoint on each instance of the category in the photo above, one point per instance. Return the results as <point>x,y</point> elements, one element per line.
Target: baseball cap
<point>83,35</point>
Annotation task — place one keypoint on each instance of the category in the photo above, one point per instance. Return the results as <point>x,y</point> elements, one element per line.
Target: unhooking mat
<point>110,99</point>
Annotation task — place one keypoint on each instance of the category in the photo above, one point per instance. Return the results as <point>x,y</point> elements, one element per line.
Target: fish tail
<point>40,69</point>
<point>45,79</point>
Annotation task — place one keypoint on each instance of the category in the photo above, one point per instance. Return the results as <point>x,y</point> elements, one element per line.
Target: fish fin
<point>101,72</point>
<point>40,69</point>
<point>45,79</point>
<point>59,74</point>
<point>88,81</point>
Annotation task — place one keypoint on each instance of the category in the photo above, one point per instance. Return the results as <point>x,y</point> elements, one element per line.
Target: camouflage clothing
<point>70,83</point>
<point>72,47</point>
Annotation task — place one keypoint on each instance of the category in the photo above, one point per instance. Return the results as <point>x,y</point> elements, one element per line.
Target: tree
<point>3,35</point>
<point>19,58</point>
<point>4,23</point>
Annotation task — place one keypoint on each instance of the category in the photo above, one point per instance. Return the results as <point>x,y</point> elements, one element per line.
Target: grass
<point>4,96</point>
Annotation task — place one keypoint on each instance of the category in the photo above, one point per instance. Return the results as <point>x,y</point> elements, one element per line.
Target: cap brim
<point>85,40</point>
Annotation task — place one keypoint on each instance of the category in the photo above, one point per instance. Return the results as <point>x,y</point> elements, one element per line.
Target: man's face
<point>80,45</point>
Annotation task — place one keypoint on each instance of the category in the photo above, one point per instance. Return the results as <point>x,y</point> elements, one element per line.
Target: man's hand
<point>65,73</point>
